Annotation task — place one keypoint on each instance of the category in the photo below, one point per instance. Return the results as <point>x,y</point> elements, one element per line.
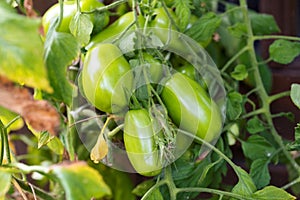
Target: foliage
<point>56,164</point>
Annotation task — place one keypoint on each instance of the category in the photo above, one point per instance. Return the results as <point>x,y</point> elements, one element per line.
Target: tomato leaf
<point>203,29</point>
<point>81,27</point>
<point>143,187</point>
<point>60,50</point>
<point>155,195</point>
<point>6,116</point>
<point>21,50</point>
<point>5,178</point>
<point>43,139</point>
<point>119,182</point>
<point>240,72</point>
<point>295,94</point>
<point>245,185</point>
<point>260,173</point>
<point>238,30</point>
<point>183,12</point>
<point>257,147</point>
<point>81,181</point>
<point>263,24</point>
<point>284,51</point>
<point>272,192</point>
<point>295,146</point>
<point>255,125</point>
<point>234,105</point>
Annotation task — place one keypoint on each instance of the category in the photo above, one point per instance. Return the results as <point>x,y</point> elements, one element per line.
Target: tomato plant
<point>168,90</point>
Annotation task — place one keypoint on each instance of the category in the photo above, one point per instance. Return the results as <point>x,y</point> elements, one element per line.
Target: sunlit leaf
<point>155,195</point>
<point>7,116</point>
<point>81,27</point>
<point>5,178</point>
<point>295,94</point>
<point>284,51</point>
<point>274,193</point>
<point>81,181</point>
<point>21,50</point>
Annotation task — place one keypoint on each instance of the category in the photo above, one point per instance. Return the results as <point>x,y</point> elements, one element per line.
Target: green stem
<point>232,60</point>
<point>214,191</point>
<point>259,84</point>
<point>278,96</point>
<point>61,14</point>
<point>12,121</point>
<point>106,8</point>
<point>69,136</point>
<point>253,113</point>
<point>5,143</point>
<point>290,184</point>
<point>269,37</point>
<point>171,185</point>
<point>115,130</point>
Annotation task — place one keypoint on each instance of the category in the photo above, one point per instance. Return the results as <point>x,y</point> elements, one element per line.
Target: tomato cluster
<point>152,90</point>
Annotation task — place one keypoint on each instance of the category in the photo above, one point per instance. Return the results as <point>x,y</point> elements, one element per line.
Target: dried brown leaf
<point>40,114</point>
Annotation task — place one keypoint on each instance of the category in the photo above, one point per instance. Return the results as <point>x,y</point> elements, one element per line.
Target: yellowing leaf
<point>100,149</point>
<point>80,181</point>
<point>21,50</point>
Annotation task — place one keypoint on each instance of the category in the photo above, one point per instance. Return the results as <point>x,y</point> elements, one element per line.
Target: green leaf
<point>53,142</point>
<point>245,185</point>
<point>6,116</point>
<point>143,187</point>
<point>44,138</point>
<point>295,146</point>
<point>203,29</point>
<point>81,181</point>
<point>155,195</point>
<point>234,105</point>
<point>240,72</point>
<point>257,147</point>
<point>5,178</point>
<point>183,12</point>
<point>263,24</point>
<point>295,94</point>
<point>81,27</point>
<point>238,30</point>
<point>272,192</point>
<point>60,50</point>
<point>260,173</point>
<point>21,50</point>
<point>120,182</point>
<point>255,125</point>
<point>284,51</point>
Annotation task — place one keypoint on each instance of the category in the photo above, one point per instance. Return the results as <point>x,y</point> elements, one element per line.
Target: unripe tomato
<point>190,107</point>
<point>53,12</point>
<point>139,133</point>
<point>107,78</point>
<point>70,9</point>
<point>116,28</point>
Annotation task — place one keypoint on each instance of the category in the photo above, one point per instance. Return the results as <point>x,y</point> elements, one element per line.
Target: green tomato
<point>99,20</point>
<point>139,134</point>
<point>116,28</point>
<point>190,107</point>
<point>53,12</point>
<point>155,69</point>
<point>107,79</point>
<point>190,71</point>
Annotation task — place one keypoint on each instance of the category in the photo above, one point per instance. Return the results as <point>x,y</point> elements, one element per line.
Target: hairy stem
<point>263,95</point>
